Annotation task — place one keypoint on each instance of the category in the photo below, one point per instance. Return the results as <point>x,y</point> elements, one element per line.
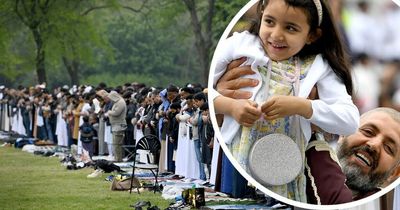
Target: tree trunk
<point>40,56</point>
<point>72,69</point>
<point>208,37</point>
<point>200,42</point>
<point>74,74</point>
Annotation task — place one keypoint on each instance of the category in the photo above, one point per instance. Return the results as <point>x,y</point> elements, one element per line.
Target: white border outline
<point>397,2</point>
<point>236,164</point>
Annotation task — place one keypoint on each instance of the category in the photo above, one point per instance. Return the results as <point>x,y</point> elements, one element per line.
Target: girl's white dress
<point>334,111</point>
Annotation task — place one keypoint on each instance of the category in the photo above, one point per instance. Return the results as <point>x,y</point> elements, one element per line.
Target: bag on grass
<point>124,184</point>
<point>21,142</point>
<point>194,197</point>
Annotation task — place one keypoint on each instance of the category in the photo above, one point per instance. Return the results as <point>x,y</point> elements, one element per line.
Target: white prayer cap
<point>102,93</point>
<point>42,86</point>
<point>87,89</point>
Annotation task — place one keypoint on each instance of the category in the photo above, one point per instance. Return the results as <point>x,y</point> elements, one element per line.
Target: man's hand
<point>230,83</point>
<point>205,118</point>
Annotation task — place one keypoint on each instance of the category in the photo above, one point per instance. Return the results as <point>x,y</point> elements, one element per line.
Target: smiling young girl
<point>292,47</point>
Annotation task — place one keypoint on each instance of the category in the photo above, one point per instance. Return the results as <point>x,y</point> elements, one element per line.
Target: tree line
<point>72,42</point>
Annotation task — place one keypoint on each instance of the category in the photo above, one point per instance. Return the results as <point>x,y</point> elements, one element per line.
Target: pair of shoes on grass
<point>110,178</point>
<point>153,208</point>
<point>140,204</point>
<point>96,173</point>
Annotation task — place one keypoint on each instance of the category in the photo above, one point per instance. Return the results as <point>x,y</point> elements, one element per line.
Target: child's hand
<point>282,106</point>
<point>246,112</point>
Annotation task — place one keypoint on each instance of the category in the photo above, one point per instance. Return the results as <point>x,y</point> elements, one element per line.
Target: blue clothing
<point>197,149</point>
<point>232,182</point>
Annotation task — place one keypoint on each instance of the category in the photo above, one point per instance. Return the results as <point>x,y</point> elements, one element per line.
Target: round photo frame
<point>247,176</point>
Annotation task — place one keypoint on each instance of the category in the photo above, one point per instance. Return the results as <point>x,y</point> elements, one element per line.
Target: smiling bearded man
<point>370,158</point>
<point>356,179</point>
<point>364,162</point>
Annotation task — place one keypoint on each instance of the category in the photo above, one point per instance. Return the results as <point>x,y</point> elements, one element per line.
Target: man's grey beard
<point>356,180</point>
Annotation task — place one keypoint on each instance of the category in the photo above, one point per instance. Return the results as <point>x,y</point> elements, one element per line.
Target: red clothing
<point>325,179</point>
<point>326,176</point>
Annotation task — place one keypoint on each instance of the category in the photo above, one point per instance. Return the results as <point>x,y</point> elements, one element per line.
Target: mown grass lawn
<point>30,181</point>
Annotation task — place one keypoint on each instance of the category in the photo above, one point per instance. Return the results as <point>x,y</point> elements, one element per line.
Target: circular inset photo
<point>288,103</point>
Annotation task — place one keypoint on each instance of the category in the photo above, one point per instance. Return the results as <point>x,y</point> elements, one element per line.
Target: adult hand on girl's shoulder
<point>281,106</point>
<point>245,112</point>
<point>230,83</point>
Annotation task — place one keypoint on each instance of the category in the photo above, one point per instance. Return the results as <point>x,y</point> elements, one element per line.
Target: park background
<point>155,42</point>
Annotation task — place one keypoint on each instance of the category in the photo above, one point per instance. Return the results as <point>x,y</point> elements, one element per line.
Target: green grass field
<point>30,181</point>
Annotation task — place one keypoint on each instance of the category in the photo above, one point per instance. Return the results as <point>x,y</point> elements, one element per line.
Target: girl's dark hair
<point>329,45</point>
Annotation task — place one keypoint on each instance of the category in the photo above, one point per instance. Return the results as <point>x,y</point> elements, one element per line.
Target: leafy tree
<point>12,35</point>
<point>34,15</point>
<point>76,39</point>
<point>153,43</point>
<point>58,27</point>
<point>115,41</point>
<point>214,14</point>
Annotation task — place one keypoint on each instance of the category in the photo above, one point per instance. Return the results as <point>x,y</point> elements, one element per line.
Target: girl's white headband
<point>318,5</point>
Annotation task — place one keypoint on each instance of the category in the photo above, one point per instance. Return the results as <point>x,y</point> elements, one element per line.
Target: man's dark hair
<point>144,91</point>
<point>204,107</point>
<point>200,96</point>
<point>127,94</point>
<point>102,85</point>
<point>188,90</point>
<point>175,105</point>
<point>189,97</point>
<point>85,118</point>
<point>172,88</point>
